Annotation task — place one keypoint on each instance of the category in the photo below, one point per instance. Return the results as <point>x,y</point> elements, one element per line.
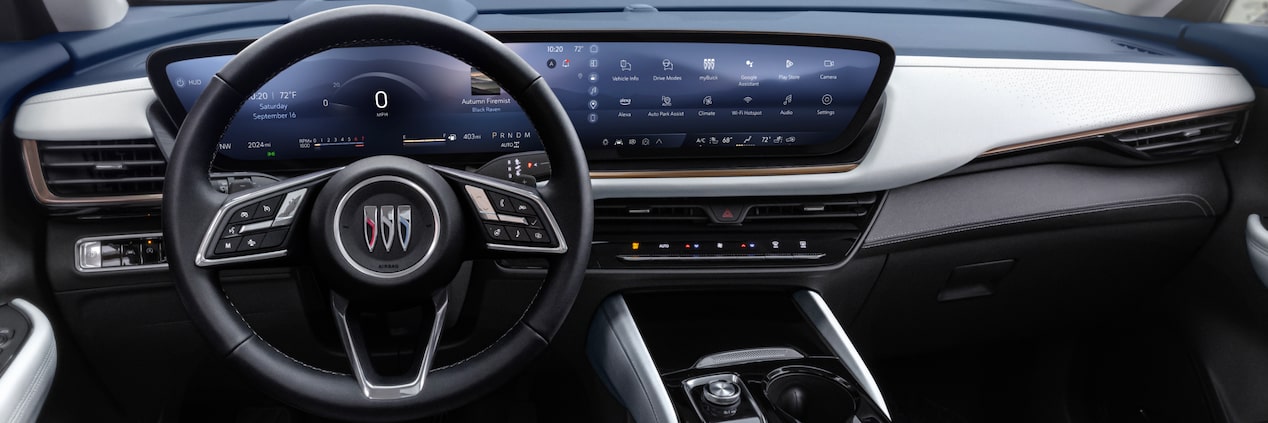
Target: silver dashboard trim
<point>819,315</point>
<point>620,357</point>
<point>745,356</point>
<point>25,384</point>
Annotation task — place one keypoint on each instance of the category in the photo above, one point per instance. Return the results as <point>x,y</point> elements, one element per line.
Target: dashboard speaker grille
<point>1185,137</point>
<point>75,169</point>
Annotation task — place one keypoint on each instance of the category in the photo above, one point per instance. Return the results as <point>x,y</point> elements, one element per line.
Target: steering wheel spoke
<point>513,219</point>
<point>374,385</point>
<point>259,224</point>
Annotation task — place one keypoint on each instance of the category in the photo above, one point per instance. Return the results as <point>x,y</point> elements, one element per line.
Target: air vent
<point>650,212</point>
<point>856,206</point>
<point>1137,48</point>
<point>1185,137</point>
<point>79,169</point>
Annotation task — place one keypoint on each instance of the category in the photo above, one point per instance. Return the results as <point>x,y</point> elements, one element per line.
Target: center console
<point>735,357</point>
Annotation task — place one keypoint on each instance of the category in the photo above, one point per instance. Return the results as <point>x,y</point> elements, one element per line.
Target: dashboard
<point>787,95</point>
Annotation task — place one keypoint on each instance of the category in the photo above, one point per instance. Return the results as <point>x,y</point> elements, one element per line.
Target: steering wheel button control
<point>523,208</point>
<point>288,207</point>
<point>482,204</point>
<point>232,231</point>
<point>538,236</point>
<point>517,234</point>
<point>267,208</point>
<point>226,246</point>
<point>251,242</point>
<point>497,232</point>
<point>243,214</point>
<point>502,203</point>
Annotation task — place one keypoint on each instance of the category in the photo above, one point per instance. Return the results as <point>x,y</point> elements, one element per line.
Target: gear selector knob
<point>721,393</point>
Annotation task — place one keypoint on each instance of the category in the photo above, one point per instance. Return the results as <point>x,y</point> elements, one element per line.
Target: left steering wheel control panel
<point>258,225</point>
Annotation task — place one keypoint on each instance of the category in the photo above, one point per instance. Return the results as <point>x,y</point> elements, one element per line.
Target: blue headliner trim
<point>24,63</point>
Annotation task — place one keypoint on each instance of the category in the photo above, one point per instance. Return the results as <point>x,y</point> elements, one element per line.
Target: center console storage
<point>735,357</point>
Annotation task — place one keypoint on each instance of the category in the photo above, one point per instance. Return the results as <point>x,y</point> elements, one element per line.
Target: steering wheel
<point>387,231</point>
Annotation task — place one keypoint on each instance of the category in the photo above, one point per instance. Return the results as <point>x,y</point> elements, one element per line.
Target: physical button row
<point>281,209</point>
<point>515,233</point>
<point>249,225</point>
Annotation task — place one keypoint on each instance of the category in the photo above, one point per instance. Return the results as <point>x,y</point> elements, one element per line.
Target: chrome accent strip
<point>752,355</point>
<point>435,237</point>
<point>819,315</point>
<point>547,216</point>
<point>617,352</point>
<point>81,267</point>
<point>405,218</point>
<point>360,369</point>
<point>257,226</point>
<point>369,227</point>
<point>206,246</point>
<point>387,221</point>
<point>512,219</point>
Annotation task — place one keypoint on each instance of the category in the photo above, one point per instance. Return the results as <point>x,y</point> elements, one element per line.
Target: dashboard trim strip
<point>1125,127</point>
<point>821,316</point>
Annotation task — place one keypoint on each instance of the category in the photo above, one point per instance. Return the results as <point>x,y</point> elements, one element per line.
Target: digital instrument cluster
<point>626,99</point>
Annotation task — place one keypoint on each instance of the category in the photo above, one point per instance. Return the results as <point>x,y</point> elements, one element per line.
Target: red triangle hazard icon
<point>726,214</point>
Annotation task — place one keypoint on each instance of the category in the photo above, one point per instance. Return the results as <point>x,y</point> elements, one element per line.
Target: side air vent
<point>98,171</point>
<point>1185,137</point>
<point>849,207</point>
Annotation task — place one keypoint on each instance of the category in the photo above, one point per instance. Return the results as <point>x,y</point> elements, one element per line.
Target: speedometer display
<point>626,99</point>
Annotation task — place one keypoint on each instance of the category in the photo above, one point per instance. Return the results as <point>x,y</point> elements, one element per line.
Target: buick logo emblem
<point>387,225</point>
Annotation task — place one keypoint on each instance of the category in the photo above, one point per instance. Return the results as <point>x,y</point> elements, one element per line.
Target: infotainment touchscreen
<point>637,99</point>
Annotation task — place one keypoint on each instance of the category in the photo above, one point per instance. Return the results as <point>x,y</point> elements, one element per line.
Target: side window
<point>1253,12</point>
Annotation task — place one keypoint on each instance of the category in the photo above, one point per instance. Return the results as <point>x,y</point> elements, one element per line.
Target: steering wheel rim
<point>190,204</point>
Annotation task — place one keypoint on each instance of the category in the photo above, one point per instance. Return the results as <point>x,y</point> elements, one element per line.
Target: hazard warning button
<point>728,213</point>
